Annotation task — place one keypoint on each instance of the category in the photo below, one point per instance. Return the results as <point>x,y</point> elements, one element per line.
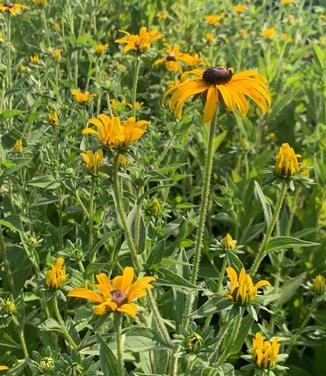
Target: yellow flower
<point>162,15</point>
<point>34,59</point>
<point>239,8</point>
<point>265,352</point>
<point>12,8</point>
<point>193,60</point>
<point>56,54</point>
<point>56,26</point>
<point>117,296</point>
<point>1,38</point>
<point>123,161</point>
<point>3,368</point>
<point>82,98</point>
<point>40,2</point>
<point>210,38</point>
<point>242,290</point>
<point>286,161</point>
<point>138,105</point>
<point>244,32</point>
<point>269,33</point>
<point>286,2</point>
<point>92,160</point>
<point>323,17</point>
<point>286,38</point>
<point>318,285</point>
<point>271,136</point>
<point>114,135</point>
<point>57,275</point>
<point>118,105</point>
<point>18,147</point>
<point>100,48</point>
<point>139,42</point>
<point>214,19</point>
<point>219,81</point>
<point>53,118</point>
<point>171,60</point>
<point>228,243</point>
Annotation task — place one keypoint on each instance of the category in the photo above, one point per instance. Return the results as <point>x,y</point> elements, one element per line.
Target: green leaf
<point>169,278</point>
<point>140,339</point>
<point>218,140</point>
<point>264,203</point>
<point>285,242</point>
<point>319,54</point>
<point>10,113</point>
<point>213,305</point>
<point>45,182</point>
<point>242,334</point>
<point>107,358</point>
<point>290,287</point>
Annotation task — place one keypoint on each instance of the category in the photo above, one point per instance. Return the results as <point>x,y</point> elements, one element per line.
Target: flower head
<point>115,135</point>
<point>18,147</point>
<point>100,48</point>
<point>9,306</point>
<point>40,2</point>
<point>53,118</point>
<point>56,54</point>
<point>92,160</point>
<point>286,2</point>
<point>34,59</point>
<point>13,9</point>
<point>265,352</point>
<point>286,38</point>
<point>269,33</point>
<point>193,60</point>
<point>46,364</point>
<point>162,15</point>
<point>82,97</point>
<point>138,42</point>
<point>242,290</point>
<point>239,8</point>
<point>57,275</point>
<point>214,19</point>
<point>116,296</point>
<point>210,38</point>
<point>219,81</point>
<point>319,285</point>
<point>173,56</point>
<point>286,161</point>
<point>3,368</point>
<point>228,243</point>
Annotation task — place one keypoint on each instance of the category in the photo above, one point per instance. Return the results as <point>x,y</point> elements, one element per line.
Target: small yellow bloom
<point>1,38</point>
<point>242,290</point>
<point>193,60</point>
<point>57,275</point>
<point>100,48</point>
<point>286,161</point>
<point>214,19</point>
<point>172,59</point>
<point>239,8</point>
<point>23,68</point>
<point>323,17</point>
<point>118,106</point>
<point>138,105</point>
<point>123,161</point>
<point>3,368</point>
<point>92,160</point>
<point>286,38</point>
<point>244,32</point>
<point>269,33</point>
<point>82,97</point>
<point>115,135</point>
<point>53,118</point>
<point>13,9</point>
<point>56,26</point>
<point>47,364</point>
<point>162,15</point>
<point>139,42</point>
<point>18,147</point>
<point>210,38</point>
<point>154,207</point>
<point>9,306</point>
<point>319,285</point>
<point>286,2</point>
<point>56,54</point>
<point>116,296</point>
<point>271,136</point>
<point>40,2</point>
<point>265,352</point>
<point>34,59</point>
<point>228,243</point>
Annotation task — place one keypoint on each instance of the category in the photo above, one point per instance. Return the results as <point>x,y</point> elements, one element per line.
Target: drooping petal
<point>210,104</point>
<point>129,309</point>
<point>85,293</point>
<point>232,274</point>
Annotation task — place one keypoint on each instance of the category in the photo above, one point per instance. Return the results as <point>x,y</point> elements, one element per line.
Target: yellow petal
<point>211,104</point>
<point>129,309</point>
<point>84,293</point>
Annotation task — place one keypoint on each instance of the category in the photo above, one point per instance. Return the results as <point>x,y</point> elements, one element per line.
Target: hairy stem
<point>134,86</point>
<point>117,328</point>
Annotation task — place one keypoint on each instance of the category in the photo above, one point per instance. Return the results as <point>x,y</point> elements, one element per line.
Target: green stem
<point>174,362</point>
<point>65,332</point>
<point>21,336</point>
<point>91,217</point>
<point>134,86</point>
<point>225,328</point>
<point>117,327</point>
<point>164,152</point>
<point>3,252</point>
<point>202,217</point>
<point>261,253</point>
<point>9,65</point>
<point>46,29</point>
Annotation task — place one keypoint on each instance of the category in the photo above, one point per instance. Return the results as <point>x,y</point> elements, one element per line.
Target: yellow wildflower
<point>269,33</point>
<point>56,26</point>
<point>162,15</point>
<point>3,368</point>
<point>286,38</point>
<point>53,118</point>
<point>40,2</point>
<point>193,60</point>
<point>9,306</point>
<point>214,19</point>
<point>139,42</point>
<point>118,105</point>
<point>13,9</point>
<point>265,352</point>
<point>242,290</point>
<point>286,2</point>
<point>210,38</point>
<point>271,136</point>
<point>56,54</point>
<point>244,32</point>
<point>1,38</point>
<point>173,56</point>
<point>138,105</point>
<point>92,160</point>
<point>82,98</point>
<point>286,161</point>
<point>57,275</point>
<point>319,285</point>
<point>239,8</point>
<point>123,161</point>
<point>18,147</point>
<point>100,48</point>
<point>116,296</point>
<point>228,243</point>
<point>34,59</point>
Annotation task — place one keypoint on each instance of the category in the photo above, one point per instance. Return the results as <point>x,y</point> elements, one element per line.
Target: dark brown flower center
<point>119,297</point>
<point>170,58</point>
<point>217,75</point>
<point>8,5</point>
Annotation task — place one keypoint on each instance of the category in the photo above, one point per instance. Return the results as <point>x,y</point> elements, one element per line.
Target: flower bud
<point>194,342</point>
<point>228,243</point>
<point>318,285</point>
<point>9,307</point>
<point>154,207</point>
<point>46,364</point>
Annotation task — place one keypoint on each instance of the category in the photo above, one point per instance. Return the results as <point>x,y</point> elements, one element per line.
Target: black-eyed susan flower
<point>100,48</point>
<point>18,147</point>
<point>34,59</point>
<point>319,285</point>
<point>56,54</point>
<point>286,163</point>
<point>162,15</point>
<point>139,42</point>
<point>228,243</point>
<point>239,8</point>
<point>118,106</point>
<point>9,307</point>
<point>286,2</point>
<point>172,59</point>
<point>193,60</point>
<point>116,296</point>
<point>92,160</point>
<point>46,364</point>
<point>214,19</point>
<point>210,38</point>
<point>265,352</point>
<point>3,368</point>
<point>215,81</point>
<point>13,9</point>
<point>113,134</point>
<point>123,161</point>
<point>53,118</point>
<point>1,38</point>
<point>269,32</point>
<point>57,275</point>
<point>286,38</point>
<point>82,97</point>
<point>138,105</point>
<point>242,290</point>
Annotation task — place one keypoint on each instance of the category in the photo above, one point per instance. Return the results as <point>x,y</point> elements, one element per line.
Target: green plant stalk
<point>117,328</point>
<point>164,152</point>
<point>3,252</point>
<point>137,219</point>
<point>174,362</point>
<point>44,19</point>
<point>225,328</point>
<point>21,336</point>
<point>202,218</point>
<point>134,86</point>
<point>261,253</point>
<point>9,65</point>
<point>91,217</point>
<point>65,332</point>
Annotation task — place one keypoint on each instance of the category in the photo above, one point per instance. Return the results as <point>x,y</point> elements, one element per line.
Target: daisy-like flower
<point>162,15</point>
<point>56,54</point>
<point>242,290</point>
<point>269,33</point>
<point>319,285</point>
<point>219,81</point>
<point>3,368</point>
<point>116,296</point>
<point>138,105</point>
<point>265,352</point>
<point>13,9</point>
<point>239,8</point>
<point>286,2</point>
<point>34,59</point>
<point>139,42</point>
<point>57,275</point>
<point>210,38</point>
<point>286,161</point>
<point>53,118</point>
<point>100,48</point>
<point>172,59</point>
<point>82,97</point>
<point>18,147</point>
<point>115,135</point>
<point>193,60</point>
<point>92,160</point>
<point>286,38</point>
<point>214,19</point>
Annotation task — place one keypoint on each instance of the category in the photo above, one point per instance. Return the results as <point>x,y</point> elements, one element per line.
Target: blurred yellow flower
<point>116,296</point>
<point>123,161</point>
<point>193,60</point>
<point>139,42</point>
<point>269,32</point>
<point>40,2</point>
<point>323,17</point>
<point>271,136</point>
<point>53,118</point>
<point>56,54</point>
<point>138,105</point>
<point>100,48</point>
<point>319,285</point>
<point>34,59</point>
<point>242,290</point>
<point>239,8</point>
<point>118,105</point>
<point>244,32</point>
<point>13,9</point>
<point>82,97</point>
<point>57,275</point>
<point>92,160</point>
<point>286,38</point>
<point>228,243</point>
<point>214,19</point>
<point>114,135</point>
<point>210,38</point>
<point>286,163</point>
<point>56,26</point>
<point>286,2</point>
<point>3,368</point>
<point>172,59</point>
<point>162,15</point>
<point>18,147</point>
<point>1,37</point>
<point>265,352</point>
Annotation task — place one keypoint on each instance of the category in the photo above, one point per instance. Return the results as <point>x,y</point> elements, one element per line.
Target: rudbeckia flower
<point>53,118</point>
<point>82,98</point>
<point>239,8</point>
<point>57,275</point>
<point>242,290</point>
<point>172,59</point>
<point>116,296</point>
<point>219,81</point>
<point>162,15</point>
<point>193,60</point>
<point>34,59</point>
<point>18,147</point>
<point>92,160</point>
<point>265,352</point>
<point>100,48</point>
<point>3,368</point>
<point>214,19</point>
<point>138,42</point>
<point>286,161</point>
<point>115,135</point>
<point>12,8</point>
<point>269,33</point>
